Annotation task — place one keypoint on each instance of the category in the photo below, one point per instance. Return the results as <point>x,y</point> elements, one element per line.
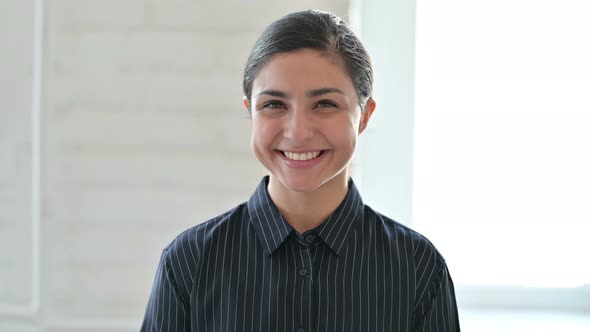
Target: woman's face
<point>305,119</point>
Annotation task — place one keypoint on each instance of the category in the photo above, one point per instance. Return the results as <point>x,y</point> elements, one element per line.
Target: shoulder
<point>181,258</point>
<point>184,252</point>
<point>425,263</point>
<point>422,251</point>
<point>192,241</point>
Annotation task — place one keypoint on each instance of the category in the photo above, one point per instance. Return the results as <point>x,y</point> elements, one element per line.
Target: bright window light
<point>502,139</point>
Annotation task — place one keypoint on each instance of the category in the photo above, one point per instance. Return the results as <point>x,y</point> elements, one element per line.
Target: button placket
<point>305,273</point>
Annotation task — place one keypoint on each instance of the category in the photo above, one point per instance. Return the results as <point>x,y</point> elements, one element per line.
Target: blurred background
<point>121,125</point>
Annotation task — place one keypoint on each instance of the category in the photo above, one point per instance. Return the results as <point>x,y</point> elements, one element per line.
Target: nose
<point>299,126</point>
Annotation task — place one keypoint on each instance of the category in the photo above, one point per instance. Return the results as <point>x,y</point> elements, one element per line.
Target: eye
<point>326,105</point>
<point>272,105</point>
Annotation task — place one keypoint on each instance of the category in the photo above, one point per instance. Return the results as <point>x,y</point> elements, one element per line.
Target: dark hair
<point>318,30</point>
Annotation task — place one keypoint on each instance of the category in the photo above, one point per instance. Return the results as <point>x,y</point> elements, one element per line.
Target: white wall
<point>385,153</point>
<point>143,135</point>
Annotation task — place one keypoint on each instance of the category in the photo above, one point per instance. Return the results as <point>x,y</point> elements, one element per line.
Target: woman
<point>303,253</point>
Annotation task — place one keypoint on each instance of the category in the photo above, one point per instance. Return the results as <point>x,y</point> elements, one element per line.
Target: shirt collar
<point>272,229</point>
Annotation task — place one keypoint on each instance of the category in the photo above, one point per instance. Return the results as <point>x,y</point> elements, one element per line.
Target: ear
<point>366,114</point>
<point>246,103</point>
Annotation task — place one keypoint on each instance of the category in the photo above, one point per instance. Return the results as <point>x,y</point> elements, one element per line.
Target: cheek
<point>263,130</point>
<point>343,133</point>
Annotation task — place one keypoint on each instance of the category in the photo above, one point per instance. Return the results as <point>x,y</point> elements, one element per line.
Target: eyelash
<point>273,104</point>
<point>326,103</point>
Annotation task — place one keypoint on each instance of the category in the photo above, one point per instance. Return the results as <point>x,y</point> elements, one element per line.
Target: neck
<point>307,210</point>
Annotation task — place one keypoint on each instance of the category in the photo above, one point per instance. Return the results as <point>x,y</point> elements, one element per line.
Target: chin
<point>300,186</point>
<point>304,184</point>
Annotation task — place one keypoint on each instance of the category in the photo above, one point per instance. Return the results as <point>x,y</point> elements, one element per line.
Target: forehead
<point>305,69</point>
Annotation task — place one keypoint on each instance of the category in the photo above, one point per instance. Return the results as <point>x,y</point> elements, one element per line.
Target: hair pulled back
<point>317,30</point>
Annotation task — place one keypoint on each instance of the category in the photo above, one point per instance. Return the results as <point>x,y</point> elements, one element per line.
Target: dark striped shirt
<point>249,270</point>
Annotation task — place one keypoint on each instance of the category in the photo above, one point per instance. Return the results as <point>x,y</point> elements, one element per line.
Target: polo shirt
<point>249,270</point>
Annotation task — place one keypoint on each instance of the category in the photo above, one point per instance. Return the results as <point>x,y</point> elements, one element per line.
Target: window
<point>499,142</point>
<point>502,139</point>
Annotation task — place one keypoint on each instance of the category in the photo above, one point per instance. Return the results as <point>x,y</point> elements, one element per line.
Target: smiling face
<point>306,119</point>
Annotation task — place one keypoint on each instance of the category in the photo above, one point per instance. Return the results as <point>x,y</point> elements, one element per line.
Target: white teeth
<point>302,156</point>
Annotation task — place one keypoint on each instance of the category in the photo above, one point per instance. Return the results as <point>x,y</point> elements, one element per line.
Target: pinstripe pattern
<point>248,270</point>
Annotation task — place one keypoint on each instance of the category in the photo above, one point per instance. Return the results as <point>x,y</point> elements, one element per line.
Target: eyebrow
<point>323,91</point>
<point>274,93</point>
<point>310,94</point>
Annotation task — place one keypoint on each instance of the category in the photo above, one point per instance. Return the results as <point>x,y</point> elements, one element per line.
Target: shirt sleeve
<point>166,309</point>
<point>437,312</point>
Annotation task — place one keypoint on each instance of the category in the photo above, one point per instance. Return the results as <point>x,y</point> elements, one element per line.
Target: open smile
<point>301,159</point>
<point>301,155</point>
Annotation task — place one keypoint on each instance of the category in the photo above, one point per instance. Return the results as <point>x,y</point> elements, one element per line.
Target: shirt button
<point>303,273</point>
<point>310,238</point>
<point>300,329</point>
